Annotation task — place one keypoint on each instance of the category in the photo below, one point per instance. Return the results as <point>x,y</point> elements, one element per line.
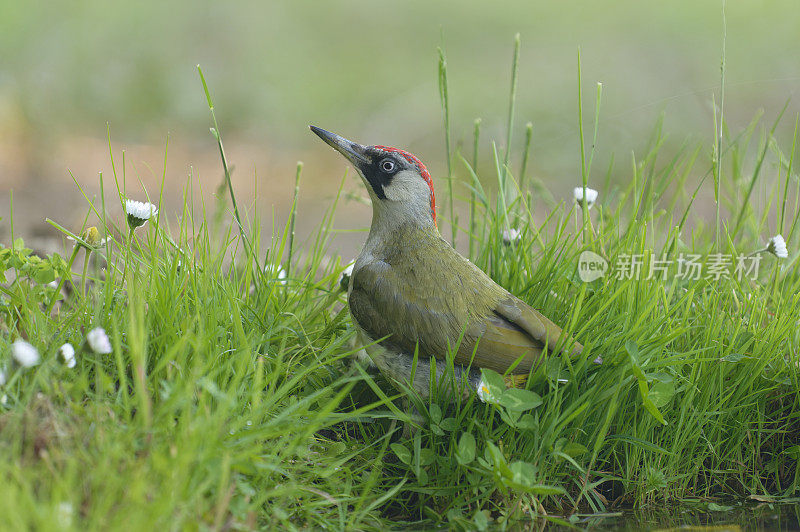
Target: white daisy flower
<point>277,272</point>
<point>24,353</point>
<point>3,377</point>
<point>484,394</point>
<point>511,235</point>
<point>777,246</point>
<point>591,196</point>
<point>67,353</point>
<point>98,341</point>
<point>139,212</point>
<point>344,280</point>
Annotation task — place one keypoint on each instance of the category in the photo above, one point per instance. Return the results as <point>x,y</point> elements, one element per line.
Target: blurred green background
<point>367,70</point>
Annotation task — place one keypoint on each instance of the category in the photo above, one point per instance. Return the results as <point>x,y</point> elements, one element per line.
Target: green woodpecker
<point>411,292</point>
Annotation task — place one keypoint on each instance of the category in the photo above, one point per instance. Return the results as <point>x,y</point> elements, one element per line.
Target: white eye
<point>387,165</point>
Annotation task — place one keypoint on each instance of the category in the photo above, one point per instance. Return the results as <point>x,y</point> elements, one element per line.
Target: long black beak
<point>355,153</point>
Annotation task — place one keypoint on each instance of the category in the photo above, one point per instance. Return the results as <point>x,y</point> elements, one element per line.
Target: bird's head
<point>398,183</point>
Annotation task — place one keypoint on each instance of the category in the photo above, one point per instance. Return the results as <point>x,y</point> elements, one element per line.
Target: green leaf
<point>793,451</point>
<point>662,376</point>
<point>648,403</point>
<point>454,515</point>
<point>337,448</point>
<point>5,255</point>
<point>661,393</point>
<point>633,350</point>
<point>554,369</point>
<point>524,473</point>
<point>520,400</point>
<point>436,413</point>
<point>573,449</point>
<point>633,353</point>
<point>480,520</point>
<point>59,264</point>
<point>491,386</point>
<point>498,461</point>
<point>449,424</point>
<point>524,479</point>
<point>543,489</point>
<point>43,273</point>
<point>426,457</point>
<point>493,381</point>
<point>466,449</point>
<point>527,422</point>
<point>644,392</point>
<point>16,261</point>
<point>509,417</point>
<point>402,452</point>
<point>714,507</point>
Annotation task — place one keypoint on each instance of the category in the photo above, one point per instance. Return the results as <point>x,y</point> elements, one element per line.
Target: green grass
<point>230,398</point>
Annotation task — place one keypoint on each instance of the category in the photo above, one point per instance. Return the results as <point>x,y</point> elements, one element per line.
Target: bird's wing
<point>490,330</point>
<point>514,331</point>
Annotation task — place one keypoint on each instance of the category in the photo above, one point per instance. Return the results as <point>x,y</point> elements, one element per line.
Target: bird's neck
<point>387,216</point>
<point>390,224</point>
